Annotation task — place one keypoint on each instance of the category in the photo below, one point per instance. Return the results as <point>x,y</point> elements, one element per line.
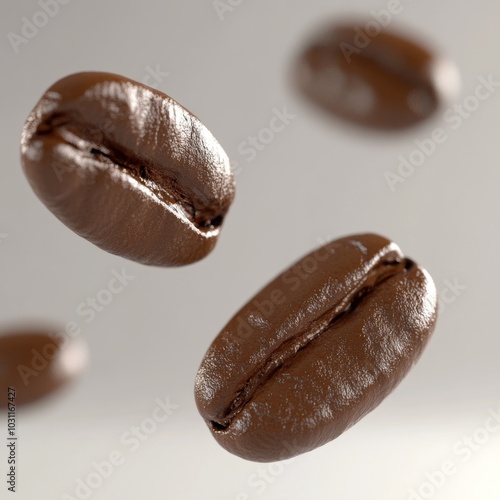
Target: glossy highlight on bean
<point>128,168</point>
<point>318,348</point>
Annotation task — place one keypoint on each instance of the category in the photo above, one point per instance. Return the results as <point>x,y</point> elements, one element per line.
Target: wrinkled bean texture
<point>317,349</point>
<point>128,168</point>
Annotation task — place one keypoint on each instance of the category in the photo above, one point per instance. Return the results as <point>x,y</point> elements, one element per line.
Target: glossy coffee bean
<point>35,364</point>
<point>128,168</point>
<point>373,77</point>
<point>317,349</point>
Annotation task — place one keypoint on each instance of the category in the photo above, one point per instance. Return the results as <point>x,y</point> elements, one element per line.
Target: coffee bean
<point>374,77</point>
<point>128,168</point>
<point>317,349</point>
<point>35,363</point>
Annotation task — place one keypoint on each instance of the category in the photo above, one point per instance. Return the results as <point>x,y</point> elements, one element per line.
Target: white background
<point>318,179</point>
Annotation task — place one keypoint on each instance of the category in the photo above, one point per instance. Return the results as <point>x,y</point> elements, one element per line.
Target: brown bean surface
<point>316,349</point>
<point>35,364</point>
<point>128,168</point>
<point>376,79</point>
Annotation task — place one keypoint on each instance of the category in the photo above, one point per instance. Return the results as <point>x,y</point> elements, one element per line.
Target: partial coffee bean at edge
<point>128,168</point>
<point>374,78</point>
<point>317,349</point>
<point>35,363</point>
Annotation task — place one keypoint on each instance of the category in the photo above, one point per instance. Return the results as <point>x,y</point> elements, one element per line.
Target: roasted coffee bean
<point>33,364</point>
<point>317,349</point>
<point>374,77</point>
<point>128,168</point>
